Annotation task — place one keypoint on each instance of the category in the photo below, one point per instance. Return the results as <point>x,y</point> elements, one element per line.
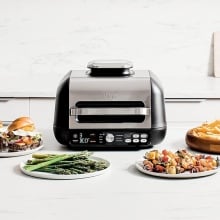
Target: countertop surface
<point>174,87</point>
<point>121,193</point>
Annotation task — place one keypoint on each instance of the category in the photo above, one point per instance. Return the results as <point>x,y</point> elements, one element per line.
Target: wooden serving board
<point>202,145</point>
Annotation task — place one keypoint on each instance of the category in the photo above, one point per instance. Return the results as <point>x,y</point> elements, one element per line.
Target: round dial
<point>109,138</point>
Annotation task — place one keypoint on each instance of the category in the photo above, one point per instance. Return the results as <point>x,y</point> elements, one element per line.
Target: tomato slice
<point>19,141</point>
<point>165,159</point>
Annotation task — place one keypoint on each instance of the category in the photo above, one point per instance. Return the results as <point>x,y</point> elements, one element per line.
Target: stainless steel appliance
<point>109,106</point>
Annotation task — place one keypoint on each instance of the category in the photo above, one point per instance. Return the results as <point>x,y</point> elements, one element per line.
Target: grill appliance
<point>109,106</point>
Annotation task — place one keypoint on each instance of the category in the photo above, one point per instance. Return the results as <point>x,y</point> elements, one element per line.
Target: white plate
<point>140,167</point>
<point>45,175</point>
<point>20,153</point>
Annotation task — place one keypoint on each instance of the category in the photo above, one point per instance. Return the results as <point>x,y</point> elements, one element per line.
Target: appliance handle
<point>110,111</point>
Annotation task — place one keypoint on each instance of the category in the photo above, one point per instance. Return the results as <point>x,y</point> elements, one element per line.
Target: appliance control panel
<point>109,137</point>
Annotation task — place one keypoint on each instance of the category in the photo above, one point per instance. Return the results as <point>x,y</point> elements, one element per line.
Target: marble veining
<point>50,37</point>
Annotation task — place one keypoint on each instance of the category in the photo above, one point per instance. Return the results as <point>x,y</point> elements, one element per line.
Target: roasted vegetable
<point>64,164</point>
<point>178,162</point>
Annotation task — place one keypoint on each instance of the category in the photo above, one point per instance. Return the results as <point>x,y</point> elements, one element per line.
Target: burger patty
<point>13,143</point>
<point>3,145</point>
<point>21,147</point>
<point>17,147</point>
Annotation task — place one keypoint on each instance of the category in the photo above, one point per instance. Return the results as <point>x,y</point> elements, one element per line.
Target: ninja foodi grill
<point>110,105</point>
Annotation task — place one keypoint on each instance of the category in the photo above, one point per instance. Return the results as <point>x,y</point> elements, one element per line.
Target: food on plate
<point>64,164</point>
<point>2,130</point>
<point>20,135</point>
<point>23,123</point>
<point>2,134</point>
<point>205,137</point>
<point>208,131</point>
<point>178,162</point>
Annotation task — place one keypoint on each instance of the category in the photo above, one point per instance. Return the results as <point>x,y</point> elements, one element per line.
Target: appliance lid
<point>116,64</point>
<point>102,68</point>
<point>103,102</point>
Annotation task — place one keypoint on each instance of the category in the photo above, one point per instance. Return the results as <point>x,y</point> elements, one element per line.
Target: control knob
<point>109,138</point>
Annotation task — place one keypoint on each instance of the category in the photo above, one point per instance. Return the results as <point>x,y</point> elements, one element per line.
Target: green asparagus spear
<point>55,159</point>
<point>73,163</point>
<point>65,164</point>
<point>36,161</point>
<point>42,156</point>
<point>60,171</point>
<point>46,163</point>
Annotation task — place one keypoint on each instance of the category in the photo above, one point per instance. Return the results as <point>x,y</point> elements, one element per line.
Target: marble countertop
<point>191,87</point>
<point>121,193</point>
<point>174,87</point>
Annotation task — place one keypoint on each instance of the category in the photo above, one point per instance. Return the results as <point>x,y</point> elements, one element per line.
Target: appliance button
<point>127,140</point>
<point>135,140</point>
<point>109,138</point>
<point>75,135</point>
<point>75,141</point>
<point>135,135</point>
<point>127,135</point>
<point>143,140</point>
<point>144,135</point>
<point>92,141</point>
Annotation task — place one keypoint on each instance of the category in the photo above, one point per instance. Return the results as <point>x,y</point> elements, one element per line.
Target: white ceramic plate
<point>20,153</point>
<point>140,167</point>
<point>45,175</point>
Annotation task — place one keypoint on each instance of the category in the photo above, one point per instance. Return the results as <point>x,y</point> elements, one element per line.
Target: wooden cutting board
<point>216,54</point>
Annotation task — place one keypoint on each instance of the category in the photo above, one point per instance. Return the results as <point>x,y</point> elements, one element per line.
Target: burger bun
<point>24,123</point>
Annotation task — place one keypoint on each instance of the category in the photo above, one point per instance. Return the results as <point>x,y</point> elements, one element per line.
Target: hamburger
<point>2,137</point>
<point>21,135</point>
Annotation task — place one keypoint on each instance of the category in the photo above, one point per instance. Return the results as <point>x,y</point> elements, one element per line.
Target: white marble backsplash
<point>50,37</point>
